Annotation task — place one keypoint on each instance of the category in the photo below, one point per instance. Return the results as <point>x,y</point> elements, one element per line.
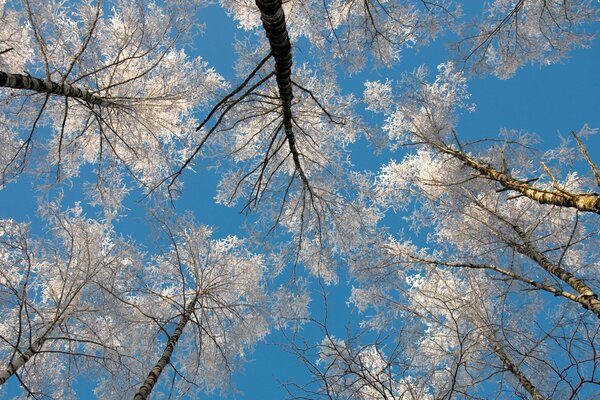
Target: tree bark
<point>587,297</point>
<point>17,363</point>
<point>273,19</point>
<point>146,388</point>
<point>25,356</point>
<point>587,202</point>
<point>516,371</point>
<point>18,81</point>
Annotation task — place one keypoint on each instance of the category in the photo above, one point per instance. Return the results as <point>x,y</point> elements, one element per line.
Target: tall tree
<point>511,240</point>
<point>496,37</point>
<point>89,303</point>
<point>198,308</point>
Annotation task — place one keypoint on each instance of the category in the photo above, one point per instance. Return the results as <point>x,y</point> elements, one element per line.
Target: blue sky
<point>549,101</point>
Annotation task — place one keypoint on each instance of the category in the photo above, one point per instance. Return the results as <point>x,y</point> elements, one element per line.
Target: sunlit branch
<point>588,202</point>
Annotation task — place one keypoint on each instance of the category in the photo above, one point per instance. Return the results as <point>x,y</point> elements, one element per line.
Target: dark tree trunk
<point>273,19</point>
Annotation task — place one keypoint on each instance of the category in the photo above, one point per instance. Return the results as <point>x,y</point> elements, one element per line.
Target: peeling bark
<point>18,81</point>
<point>146,388</point>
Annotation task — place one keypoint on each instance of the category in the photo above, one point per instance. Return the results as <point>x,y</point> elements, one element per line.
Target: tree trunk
<point>587,202</point>
<point>516,371</point>
<point>18,81</point>
<point>146,388</point>
<point>14,365</point>
<point>587,297</point>
<point>273,19</point>
<point>25,356</point>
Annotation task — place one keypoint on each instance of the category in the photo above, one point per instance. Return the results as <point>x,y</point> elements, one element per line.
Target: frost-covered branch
<point>514,369</point>
<point>587,202</point>
<point>588,302</point>
<point>588,297</point>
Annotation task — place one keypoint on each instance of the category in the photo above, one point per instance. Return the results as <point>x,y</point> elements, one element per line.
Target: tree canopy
<point>466,259</point>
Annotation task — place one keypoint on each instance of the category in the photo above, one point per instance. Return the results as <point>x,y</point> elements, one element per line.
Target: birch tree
<point>508,277</point>
<point>286,131</point>
<point>502,299</point>
<point>460,331</point>
<point>351,31</point>
<point>510,34</point>
<point>196,310</point>
<point>497,37</point>
<point>531,223</point>
<point>98,307</point>
<point>112,83</point>
<point>57,301</point>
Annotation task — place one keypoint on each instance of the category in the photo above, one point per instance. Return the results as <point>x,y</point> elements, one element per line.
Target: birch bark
<point>516,371</point>
<point>273,19</point>
<point>587,202</point>
<point>15,364</point>
<point>18,81</point>
<point>146,388</point>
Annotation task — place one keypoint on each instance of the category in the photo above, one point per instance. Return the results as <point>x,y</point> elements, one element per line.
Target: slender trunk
<point>17,363</point>
<point>273,19</point>
<point>18,81</point>
<point>587,297</point>
<point>25,356</point>
<point>587,202</point>
<point>586,303</point>
<point>516,371</point>
<point>146,388</point>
